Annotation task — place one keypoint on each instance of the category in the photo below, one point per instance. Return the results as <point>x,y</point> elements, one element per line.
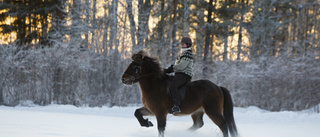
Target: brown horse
<point>202,96</point>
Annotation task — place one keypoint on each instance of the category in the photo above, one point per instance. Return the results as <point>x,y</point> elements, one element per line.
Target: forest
<point>266,52</point>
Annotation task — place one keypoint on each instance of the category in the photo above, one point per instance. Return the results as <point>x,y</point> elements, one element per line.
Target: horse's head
<point>141,66</point>
<point>134,70</point>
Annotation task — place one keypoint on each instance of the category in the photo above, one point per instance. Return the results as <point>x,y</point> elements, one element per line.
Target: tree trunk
<point>200,30</point>
<point>240,33</point>
<point>1,97</point>
<point>186,22</point>
<point>174,29</point>
<point>144,8</point>
<point>113,25</point>
<point>57,81</point>
<point>161,29</point>
<point>87,21</point>
<point>58,18</point>
<point>132,24</point>
<point>207,39</point>
<point>307,26</point>
<point>105,30</point>
<point>93,23</point>
<point>76,34</point>
<point>225,52</point>
<point>296,50</point>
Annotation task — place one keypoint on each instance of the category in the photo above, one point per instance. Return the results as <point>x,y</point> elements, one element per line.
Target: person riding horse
<point>201,96</point>
<point>183,68</point>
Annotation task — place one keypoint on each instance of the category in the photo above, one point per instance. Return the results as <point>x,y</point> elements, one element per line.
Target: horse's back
<point>201,93</point>
<point>204,89</point>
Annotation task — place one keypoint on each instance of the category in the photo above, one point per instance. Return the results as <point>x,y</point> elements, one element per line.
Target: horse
<point>201,96</point>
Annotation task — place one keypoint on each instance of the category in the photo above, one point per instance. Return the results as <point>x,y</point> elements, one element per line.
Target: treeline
<point>63,75</point>
<point>73,52</point>
<point>221,29</point>
<point>271,83</point>
<point>66,75</point>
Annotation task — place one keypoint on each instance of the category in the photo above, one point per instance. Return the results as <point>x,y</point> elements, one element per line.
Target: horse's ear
<point>139,55</point>
<point>134,56</point>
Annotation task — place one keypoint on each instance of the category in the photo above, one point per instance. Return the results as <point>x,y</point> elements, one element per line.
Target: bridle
<point>138,70</point>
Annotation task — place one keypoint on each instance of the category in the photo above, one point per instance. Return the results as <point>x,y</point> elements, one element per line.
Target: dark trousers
<point>178,80</point>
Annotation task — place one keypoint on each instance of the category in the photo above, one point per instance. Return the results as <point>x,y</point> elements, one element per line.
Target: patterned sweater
<point>184,63</point>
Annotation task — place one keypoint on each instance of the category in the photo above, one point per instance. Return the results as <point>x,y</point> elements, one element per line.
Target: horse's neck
<point>150,86</point>
<point>145,85</point>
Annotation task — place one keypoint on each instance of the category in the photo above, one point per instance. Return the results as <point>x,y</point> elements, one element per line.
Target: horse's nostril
<point>123,79</point>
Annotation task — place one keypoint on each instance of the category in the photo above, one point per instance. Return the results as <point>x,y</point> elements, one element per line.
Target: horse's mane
<point>152,61</point>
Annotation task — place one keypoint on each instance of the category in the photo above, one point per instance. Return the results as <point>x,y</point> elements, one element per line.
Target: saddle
<point>181,89</point>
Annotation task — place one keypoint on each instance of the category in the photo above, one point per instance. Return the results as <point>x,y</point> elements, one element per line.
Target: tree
<point>186,17</point>
<point>76,27</point>
<point>208,37</point>
<point>27,15</point>
<point>113,25</point>
<point>227,13</point>
<point>132,24</point>
<point>174,30</point>
<point>199,28</point>
<point>144,8</point>
<point>282,35</point>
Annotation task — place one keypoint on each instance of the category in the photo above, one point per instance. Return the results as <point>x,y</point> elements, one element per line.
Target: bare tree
<point>208,38</point>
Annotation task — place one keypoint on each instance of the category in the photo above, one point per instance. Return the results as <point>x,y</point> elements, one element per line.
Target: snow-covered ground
<point>70,121</point>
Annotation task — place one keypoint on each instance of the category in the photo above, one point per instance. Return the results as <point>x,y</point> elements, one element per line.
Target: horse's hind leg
<point>218,119</point>
<point>139,115</point>
<point>197,118</point>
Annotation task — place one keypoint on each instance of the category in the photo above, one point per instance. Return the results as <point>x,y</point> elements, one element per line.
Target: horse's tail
<point>228,112</point>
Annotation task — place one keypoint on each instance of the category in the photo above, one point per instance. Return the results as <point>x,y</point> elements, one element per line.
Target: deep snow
<point>70,121</point>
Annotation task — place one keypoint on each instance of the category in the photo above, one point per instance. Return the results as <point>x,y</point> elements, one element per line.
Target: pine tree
<point>28,15</point>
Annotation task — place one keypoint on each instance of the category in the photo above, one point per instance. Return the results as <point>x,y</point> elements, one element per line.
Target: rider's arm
<point>181,64</point>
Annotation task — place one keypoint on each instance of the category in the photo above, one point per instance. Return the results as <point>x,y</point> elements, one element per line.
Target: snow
<point>70,121</point>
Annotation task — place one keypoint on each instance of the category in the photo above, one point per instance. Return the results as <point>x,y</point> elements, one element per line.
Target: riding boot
<point>176,102</point>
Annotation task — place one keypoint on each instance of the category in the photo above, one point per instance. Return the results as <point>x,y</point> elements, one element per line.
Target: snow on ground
<point>70,121</point>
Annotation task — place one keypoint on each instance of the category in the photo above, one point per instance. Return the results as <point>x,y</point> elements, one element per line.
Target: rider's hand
<point>169,69</point>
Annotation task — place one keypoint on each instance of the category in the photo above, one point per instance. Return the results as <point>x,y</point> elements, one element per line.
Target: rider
<point>183,69</point>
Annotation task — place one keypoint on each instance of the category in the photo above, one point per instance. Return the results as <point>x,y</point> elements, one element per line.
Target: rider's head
<point>187,41</point>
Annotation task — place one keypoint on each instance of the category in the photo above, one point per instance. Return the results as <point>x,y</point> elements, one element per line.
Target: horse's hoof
<point>147,123</point>
<point>150,124</point>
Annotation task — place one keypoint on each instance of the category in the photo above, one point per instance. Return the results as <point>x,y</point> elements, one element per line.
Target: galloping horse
<point>201,96</point>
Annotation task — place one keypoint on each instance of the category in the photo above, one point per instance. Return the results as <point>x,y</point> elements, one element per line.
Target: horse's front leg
<point>161,119</point>
<point>139,115</point>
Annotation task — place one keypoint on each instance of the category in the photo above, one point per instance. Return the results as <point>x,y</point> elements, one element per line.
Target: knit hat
<point>187,41</point>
